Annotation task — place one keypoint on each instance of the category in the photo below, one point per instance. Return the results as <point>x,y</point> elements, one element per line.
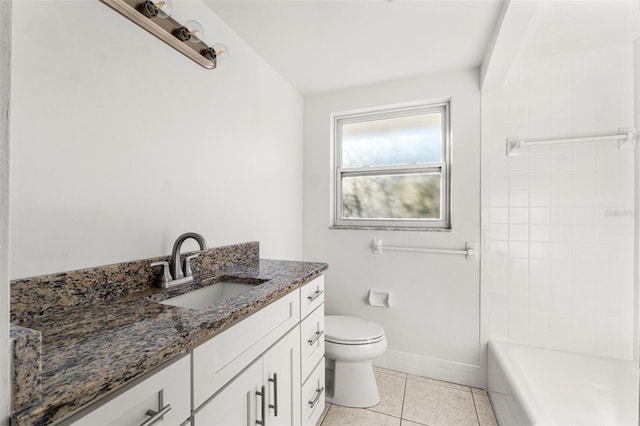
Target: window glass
<point>399,196</point>
<point>399,140</point>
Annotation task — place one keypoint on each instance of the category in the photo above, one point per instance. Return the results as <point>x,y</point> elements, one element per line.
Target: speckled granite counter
<point>91,349</point>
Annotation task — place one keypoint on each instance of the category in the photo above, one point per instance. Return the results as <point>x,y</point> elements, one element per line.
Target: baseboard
<point>439,369</point>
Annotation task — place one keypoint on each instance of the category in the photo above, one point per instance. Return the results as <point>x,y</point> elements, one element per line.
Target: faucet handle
<point>166,275</point>
<point>187,265</point>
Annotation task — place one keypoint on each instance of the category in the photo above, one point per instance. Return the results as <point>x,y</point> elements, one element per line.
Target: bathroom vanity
<point>253,358</point>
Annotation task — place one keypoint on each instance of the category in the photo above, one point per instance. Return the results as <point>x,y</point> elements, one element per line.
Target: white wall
<point>5,90</point>
<point>433,327</point>
<point>558,224</point>
<point>120,143</point>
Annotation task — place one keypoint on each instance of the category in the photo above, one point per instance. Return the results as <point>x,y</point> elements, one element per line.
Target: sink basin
<point>209,295</point>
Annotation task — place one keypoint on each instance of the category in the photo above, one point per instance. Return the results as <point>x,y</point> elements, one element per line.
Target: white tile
<point>518,249</point>
<point>584,216</point>
<point>519,198</point>
<point>561,233</point>
<point>539,232</point>
<point>540,198</point>
<point>560,251</point>
<point>539,250</point>
<point>499,231</point>
<point>499,248</point>
<point>540,215</point>
<point>499,198</point>
<point>540,180</point>
<point>584,179</point>
<point>585,197</point>
<point>499,181</point>
<point>561,215</point>
<point>519,181</point>
<point>518,215</point>
<point>561,198</point>
<point>499,215</point>
<point>518,232</point>
<point>518,266</point>
<point>518,284</point>
<point>561,179</point>
<point>539,162</point>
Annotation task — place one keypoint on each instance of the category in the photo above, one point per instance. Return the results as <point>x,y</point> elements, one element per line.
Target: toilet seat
<point>345,330</point>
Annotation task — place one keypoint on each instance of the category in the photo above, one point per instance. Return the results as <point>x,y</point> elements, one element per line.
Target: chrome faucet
<point>176,267</point>
<point>176,276</point>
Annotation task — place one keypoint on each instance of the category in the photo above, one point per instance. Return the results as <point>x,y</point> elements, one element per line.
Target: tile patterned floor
<point>407,400</point>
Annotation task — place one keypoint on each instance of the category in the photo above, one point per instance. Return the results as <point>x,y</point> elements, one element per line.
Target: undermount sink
<point>210,295</point>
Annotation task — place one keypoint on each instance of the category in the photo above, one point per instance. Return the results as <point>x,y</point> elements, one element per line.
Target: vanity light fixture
<point>155,17</point>
<point>190,31</point>
<point>162,8</point>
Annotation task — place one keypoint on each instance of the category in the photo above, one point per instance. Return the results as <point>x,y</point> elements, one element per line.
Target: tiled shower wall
<point>557,221</point>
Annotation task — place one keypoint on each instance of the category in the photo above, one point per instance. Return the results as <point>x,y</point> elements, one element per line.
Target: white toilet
<point>350,346</point>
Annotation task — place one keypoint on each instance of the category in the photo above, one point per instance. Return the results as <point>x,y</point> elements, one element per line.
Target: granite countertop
<point>88,351</point>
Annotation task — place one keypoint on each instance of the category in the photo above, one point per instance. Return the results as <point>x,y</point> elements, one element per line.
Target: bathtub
<point>536,386</point>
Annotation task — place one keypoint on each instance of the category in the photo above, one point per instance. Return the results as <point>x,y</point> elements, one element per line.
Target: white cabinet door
<point>281,374</point>
<point>268,392</point>
<point>162,399</point>
<point>236,404</point>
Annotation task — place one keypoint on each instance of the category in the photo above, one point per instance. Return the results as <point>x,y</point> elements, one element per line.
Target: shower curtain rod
<point>624,136</point>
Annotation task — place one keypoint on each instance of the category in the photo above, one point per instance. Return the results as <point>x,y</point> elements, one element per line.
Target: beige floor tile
<point>391,389</point>
<point>409,423</point>
<point>479,391</point>
<point>437,405</point>
<point>439,382</point>
<point>392,372</point>
<point>344,416</point>
<point>324,413</point>
<point>484,410</point>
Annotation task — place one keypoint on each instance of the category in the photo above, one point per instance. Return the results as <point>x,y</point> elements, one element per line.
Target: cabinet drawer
<point>313,394</point>
<point>311,296</point>
<point>167,390</point>
<point>220,359</point>
<point>312,341</point>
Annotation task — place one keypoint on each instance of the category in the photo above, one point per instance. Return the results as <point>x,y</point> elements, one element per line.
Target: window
<point>392,168</point>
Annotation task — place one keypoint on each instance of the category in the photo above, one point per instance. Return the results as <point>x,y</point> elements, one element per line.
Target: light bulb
<point>222,51</point>
<point>196,31</point>
<point>165,7</point>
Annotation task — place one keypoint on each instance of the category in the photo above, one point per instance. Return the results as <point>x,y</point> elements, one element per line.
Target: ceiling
<point>567,26</point>
<point>320,45</point>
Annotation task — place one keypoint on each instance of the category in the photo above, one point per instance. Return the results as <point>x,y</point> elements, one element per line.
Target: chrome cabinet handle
<point>315,295</point>
<point>315,337</point>
<point>316,398</point>
<point>156,415</point>
<point>262,394</point>
<point>275,394</point>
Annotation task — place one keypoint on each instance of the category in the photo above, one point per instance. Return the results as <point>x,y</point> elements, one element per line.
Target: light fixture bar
<point>163,29</point>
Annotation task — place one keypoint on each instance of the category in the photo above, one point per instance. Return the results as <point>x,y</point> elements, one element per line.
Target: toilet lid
<point>345,329</point>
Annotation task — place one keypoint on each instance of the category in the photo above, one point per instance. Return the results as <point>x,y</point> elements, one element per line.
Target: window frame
<point>443,167</point>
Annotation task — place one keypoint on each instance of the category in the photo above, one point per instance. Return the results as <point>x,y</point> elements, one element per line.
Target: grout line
<point>475,407</point>
<point>404,395</point>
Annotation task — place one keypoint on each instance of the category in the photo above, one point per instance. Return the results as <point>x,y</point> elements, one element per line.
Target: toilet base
<point>354,384</point>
